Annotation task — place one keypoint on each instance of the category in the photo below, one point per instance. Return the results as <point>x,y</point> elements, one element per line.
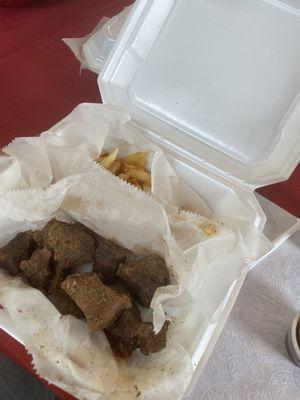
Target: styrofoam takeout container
<point>216,84</point>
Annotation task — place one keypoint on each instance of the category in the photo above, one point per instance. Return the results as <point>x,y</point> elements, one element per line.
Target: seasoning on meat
<point>46,259</point>
<point>100,304</point>
<point>144,276</point>
<point>108,258</point>
<point>17,250</point>
<point>64,304</point>
<point>122,333</point>
<point>37,237</point>
<point>37,269</point>
<point>129,333</point>
<point>149,342</point>
<point>70,243</point>
<point>59,274</point>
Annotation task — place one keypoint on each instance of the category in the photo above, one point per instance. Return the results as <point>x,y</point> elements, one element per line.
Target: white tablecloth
<point>250,361</point>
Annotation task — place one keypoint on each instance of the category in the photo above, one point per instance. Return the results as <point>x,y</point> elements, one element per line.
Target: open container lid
<point>216,79</point>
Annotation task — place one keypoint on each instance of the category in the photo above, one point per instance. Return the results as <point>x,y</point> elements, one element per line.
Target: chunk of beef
<point>122,333</point>
<point>129,333</point>
<point>144,276</point>
<point>108,258</point>
<point>59,275</point>
<point>37,237</point>
<point>18,249</point>
<point>37,269</point>
<point>100,304</point>
<point>64,304</point>
<point>70,243</point>
<point>148,341</point>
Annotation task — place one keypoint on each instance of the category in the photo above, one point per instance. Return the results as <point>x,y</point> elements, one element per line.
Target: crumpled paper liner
<point>67,353</point>
<point>10,174</point>
<point>65,182</point>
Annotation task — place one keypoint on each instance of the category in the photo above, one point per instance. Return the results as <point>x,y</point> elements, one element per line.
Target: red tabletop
<point>40,84</point>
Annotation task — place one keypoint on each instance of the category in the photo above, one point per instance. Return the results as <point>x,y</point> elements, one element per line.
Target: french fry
<point>100,158</point>
<point>124,177</point>
<point>135,183</point>
<point>142,176</point>
<point>115,167</point>
<point>147,187</point>
<point>107,161</point>
<point>138,159</point>
<point>130,168</point>
<point>126,167</point>
<point>208,229</point>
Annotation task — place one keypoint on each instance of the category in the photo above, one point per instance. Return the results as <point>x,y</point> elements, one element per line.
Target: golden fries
<point>208,229</point>
<point>124,177</point>
<point>147,187</point>
<point>135,183</point>
<point>107,161</point>
<point>138,174</point>
<point>137,159</point>
<point>115,167</point>
<point>130,168</point>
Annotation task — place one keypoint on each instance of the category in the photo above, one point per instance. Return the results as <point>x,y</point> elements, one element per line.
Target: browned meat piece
<point>100,304</point>
<point>149,342</point>
<point>117,285</point>
<point>108,258</point>
<point>17,250</point>
<point>122,333</point>
<point>37,269</point>
<point>59,274</point>
<point>37,237</point>
<point>129,333</point>
<point>70,243</point>
<point>143,277</point>
<point>64,304</point>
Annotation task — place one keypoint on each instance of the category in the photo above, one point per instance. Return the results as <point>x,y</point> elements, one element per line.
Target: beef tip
<point>129,333</point>
<point>37,237</point>
<point>122,335</point>
<point>148,341</point>
<point>70,243</point>
<point>119,287</point>
<point>143,277</point>
<point>18,249</point>
<point>37,269</point>
<point>100,304</point>
<point>108,258</point>
<point>64,304</point>
<point>59,275</point>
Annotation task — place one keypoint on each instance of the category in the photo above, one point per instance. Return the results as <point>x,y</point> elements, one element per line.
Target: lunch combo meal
<point>112,268</point>
<point>128,228</point>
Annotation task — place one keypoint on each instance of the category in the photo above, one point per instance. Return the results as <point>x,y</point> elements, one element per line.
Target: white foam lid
<point>216,79</point>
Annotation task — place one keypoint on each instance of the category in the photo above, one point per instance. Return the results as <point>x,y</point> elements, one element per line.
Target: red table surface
<point>40,84</point>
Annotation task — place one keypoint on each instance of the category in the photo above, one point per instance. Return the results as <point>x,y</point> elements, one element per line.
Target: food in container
<point>207,154</point>
<point>170,269</point>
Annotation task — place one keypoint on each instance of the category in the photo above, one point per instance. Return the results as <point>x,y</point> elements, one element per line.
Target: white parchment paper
<point>54,175</point>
